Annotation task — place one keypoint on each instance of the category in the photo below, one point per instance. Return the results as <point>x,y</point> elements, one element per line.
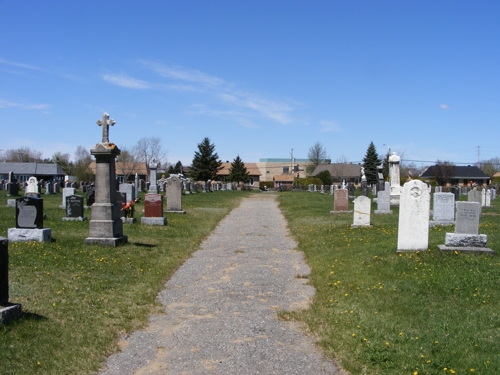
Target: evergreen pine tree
<point>370,163</point>
<point>238,172</point>
<point>205,162</point>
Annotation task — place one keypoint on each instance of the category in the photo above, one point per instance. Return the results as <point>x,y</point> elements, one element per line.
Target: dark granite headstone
<point>90,195</point>
<point>74,206</point>
<point>13,189</point>
<point>29,213</point>
<point>121,199</point>
<point>4,271</point>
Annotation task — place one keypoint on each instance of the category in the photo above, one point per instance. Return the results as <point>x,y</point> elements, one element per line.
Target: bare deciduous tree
<point>22,155</point>
<point>82,161</point>
<point>316,156</point>
<point>149,149</point>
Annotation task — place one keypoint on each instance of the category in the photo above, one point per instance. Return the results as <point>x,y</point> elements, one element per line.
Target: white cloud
<point>19,65</point>
<point>8,104</point>
<point>124,81</point>
<point>444,106</point>
<point>329,126</point>
<point>252,104</point>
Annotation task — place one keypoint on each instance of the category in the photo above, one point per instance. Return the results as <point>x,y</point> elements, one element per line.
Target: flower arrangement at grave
<point>129,208</point>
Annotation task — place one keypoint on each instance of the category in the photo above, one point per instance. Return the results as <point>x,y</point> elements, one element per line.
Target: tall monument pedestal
<point>106,226</point>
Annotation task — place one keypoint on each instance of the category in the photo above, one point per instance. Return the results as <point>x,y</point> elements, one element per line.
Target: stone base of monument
<point>128,220</point>
<point>475,243</point>
<point>176,212</point>
<point>395,200</point>
<point>341,212</point>
<point>9,312</point>
<point>153,220</point>
<point>435,223</point>
<point>26,235</point>
<point>74,218</point>
<point>113,242</point>
<point>389,212</point>
<point>360,226</point>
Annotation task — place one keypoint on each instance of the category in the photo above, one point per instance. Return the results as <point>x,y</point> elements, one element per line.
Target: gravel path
<point>221,304</point>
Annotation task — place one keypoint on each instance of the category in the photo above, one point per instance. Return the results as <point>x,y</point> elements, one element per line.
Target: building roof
<point>252,169</point>
<point>340,170</point>
<point>283,177</point>
<point>122,168</point>
<point>461,172</point>
<point>33,169</point>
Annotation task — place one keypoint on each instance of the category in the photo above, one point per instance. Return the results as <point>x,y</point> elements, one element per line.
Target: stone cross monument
<point>105,122</point>
<point>106,226</point>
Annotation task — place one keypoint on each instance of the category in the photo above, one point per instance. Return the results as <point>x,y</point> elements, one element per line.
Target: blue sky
<point>259,78</point>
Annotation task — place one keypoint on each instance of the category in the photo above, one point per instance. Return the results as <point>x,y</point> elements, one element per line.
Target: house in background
<point>283,180</point>
<point>253,172</point>
<point>127,171</point>
<point>460,175</point>
<point>23,171</point>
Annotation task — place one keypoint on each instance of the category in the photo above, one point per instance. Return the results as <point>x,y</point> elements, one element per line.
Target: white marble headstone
<point>413,229</point>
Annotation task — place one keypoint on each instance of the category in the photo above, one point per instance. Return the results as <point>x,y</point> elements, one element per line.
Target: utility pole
<point>291,161</point>
<point>478,156</point>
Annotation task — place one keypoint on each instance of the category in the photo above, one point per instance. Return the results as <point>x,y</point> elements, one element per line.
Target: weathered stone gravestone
<point>466,237</point>
<point>394,161</point>
<point>32,188</point>
<point>29,222</point>
<point>129,190</point>
<point>474,196</point>
<point>487,201</point>
<point>341,201</point>
<point>443,209</point>
<point>413,228</point>
<point>153,210</point>
<point>106,226</point>
<point>74,208</point>
<point>383,202</point>
<point>153,187</point>
<point>66,192</point>
<point>362,210</point>
<point>8,311</point>
<point>48,188</point>
<point>174,195</point>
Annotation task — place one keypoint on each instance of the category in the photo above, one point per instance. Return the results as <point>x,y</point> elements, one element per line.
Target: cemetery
<point>394,291</point>
<point>354,262</point>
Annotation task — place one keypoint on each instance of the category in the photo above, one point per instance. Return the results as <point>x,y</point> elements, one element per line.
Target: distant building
<point>23,171</point>
<point>276,167</point>
<point>124,169</point>
<point>252,169</point>
<point>462,175</point>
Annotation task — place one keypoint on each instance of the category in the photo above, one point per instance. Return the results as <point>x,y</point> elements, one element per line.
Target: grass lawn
<point>379,312</point>
<point>79,299</point>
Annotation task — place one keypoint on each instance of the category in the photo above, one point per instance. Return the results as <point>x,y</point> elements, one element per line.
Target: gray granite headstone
<point>443,209</point>
<point>383,202</point>
<point>467,221</point>
<point>66,193</point>
<point>174,194</point>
